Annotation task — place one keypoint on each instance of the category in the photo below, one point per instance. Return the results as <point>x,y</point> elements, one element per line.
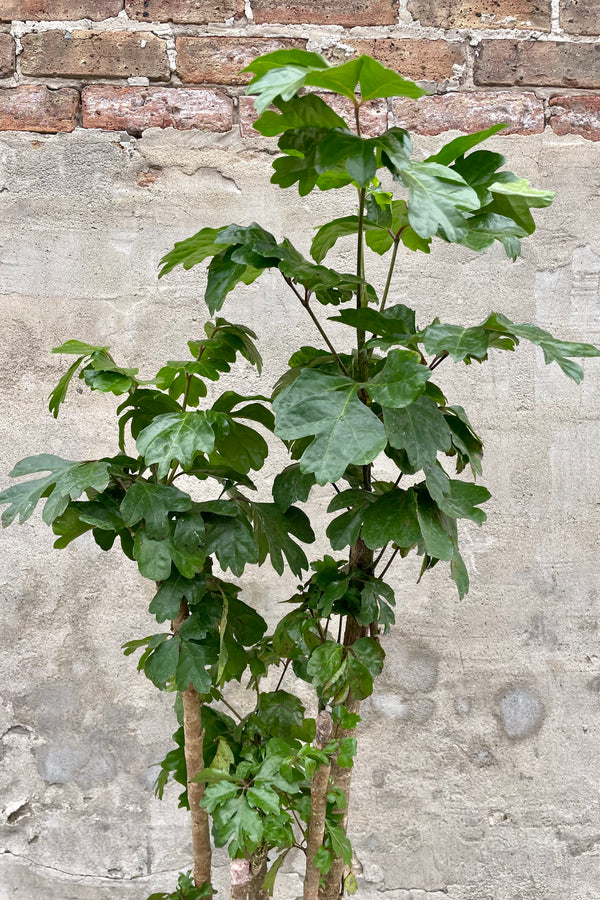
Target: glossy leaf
<point>152,503</point>
<point>401,380</point>
<point>175,438</point>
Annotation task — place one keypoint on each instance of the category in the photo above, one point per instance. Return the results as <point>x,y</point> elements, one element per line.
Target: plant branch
<point>318,808</point>
<point>388,282</point>
<point>438,359</point>
<point>230,707</point>
<point>306,304</point>
<point>389,562</point>
<point>285,668</point>
<point>363,362</point>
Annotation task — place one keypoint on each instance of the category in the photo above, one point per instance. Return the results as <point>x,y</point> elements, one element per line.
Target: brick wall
<point>134,64</point>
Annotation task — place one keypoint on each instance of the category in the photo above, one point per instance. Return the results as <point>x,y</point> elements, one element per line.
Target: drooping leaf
<point>392,517</point>
<point>291,485</point>
<point>438,542</point>
<point>273,532</point>
<point>153,557</point>
<point>459,146</point>
<point>420,429</point>
<point>162,662</point>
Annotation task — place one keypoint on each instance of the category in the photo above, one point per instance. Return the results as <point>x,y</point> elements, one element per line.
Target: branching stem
<point>306,304</point>
<point>390,273</point>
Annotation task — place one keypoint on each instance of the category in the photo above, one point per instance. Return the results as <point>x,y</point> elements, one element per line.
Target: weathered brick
<point>483,13</point>
<point>580,16</point>
<point>137,108</point>
<point>579,114</point>
<point>58,10</point>
<point>469,112</point>
<point>191,12</point>
<point>421,60</point>
<point>94,54</point>
<point>538,63</point>
<point>7,55</point>
<point>326,12</point>
<point>217,60</point>
<point>34,107</point>
<point>373,115</point>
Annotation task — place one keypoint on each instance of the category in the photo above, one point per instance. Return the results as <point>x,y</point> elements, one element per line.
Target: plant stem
<point>438,359</point>
<point>388,282</point>
<point>389,562</point>
<point>318,808</point>
<point>306,304</point>
<point>194,760</point>
<point>361,297</point>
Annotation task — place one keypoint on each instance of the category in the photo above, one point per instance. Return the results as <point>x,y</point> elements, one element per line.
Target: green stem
<point>361,297</point>
<point>386,290</point>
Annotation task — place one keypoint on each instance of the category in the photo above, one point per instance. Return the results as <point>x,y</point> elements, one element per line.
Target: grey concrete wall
<point>479,765</point>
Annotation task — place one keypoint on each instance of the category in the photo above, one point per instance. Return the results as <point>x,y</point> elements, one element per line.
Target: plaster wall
<point>479,770</point>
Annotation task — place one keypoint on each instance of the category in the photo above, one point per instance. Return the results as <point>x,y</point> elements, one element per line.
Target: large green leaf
<point>392,517</point>
<point>346,430</point>
<point>437,198</point>
<point>153,503</point>
<point>23,498</point>
<point>162,662</point>
<point>292,56</point>
<point>438,542</point>
<point>153,557</point>
<point>401,380</point>
<point>291,485</point>
<point>457,341</point>
<point>309,111</point>
<point>420,429</point>
<point>459,146</point>
<point>373,79</point>
<point>166,602</point>
<point>175,438</point>
<point>241,447</point>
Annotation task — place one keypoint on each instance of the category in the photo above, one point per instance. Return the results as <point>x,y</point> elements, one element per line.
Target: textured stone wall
<point>478,772</point>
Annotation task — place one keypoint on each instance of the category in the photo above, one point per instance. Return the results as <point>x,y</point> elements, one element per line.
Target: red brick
<point>483,13</point>
<point>138,108</point>
<point>326,12</point>
<point>469,112</point>
<point>190,12</point>
<point>95,54</point>
<point>580,16</point>
<point>217,60</point>
<point>58,10</point>
<point>421,60</point>
<point>538,63</point>
<point>7,55</point>
<point>576,115</point>
<point>373,115</point>
<point>34,107</point>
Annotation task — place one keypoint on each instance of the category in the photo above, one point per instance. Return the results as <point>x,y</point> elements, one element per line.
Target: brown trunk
<point>360,558</point>
<point>318,801</point>
<point>248,875</point>
<point>194,761</point>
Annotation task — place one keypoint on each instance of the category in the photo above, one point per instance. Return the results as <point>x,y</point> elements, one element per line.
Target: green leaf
<point>392,517</point>
<point>152,503</point>
<point>79,348</point>
<point>401,380</point>
<point>245,623</point>
<point>153,557</point>
<point>309,111</point>
<point>437,198</point>
<point>374,79</point>
<point>420,429</point>
<point>191,251</point>
<point>346,753</point>
<point>237,822</point>
<point>339,843</point>
<point>68,527</point>
<point>232,542</point>
<point>325,663</point>
<point>327,235</point>
<point>269,880</point>
<point>370,653</point>
<point>59,393</point>
<point>162,662</point>
<point>396,324</point>
<point>273,529</point>
<point>459,574</point>
<point>217,794</point>
<point>193,658</point>
<point>242,448</point>
<point>286,57</point>
<point>554,350</point>
<point>264,798</point>
<point>458,341</point>
<point>323,860</point>
<point>175,437</point>
<point>347,432</point>
<point>292,486</point>
<point>459,146</point>
<point>281,712</point>
<point>74,481</point>
<point>438,542</point>
<point>167,601</point>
